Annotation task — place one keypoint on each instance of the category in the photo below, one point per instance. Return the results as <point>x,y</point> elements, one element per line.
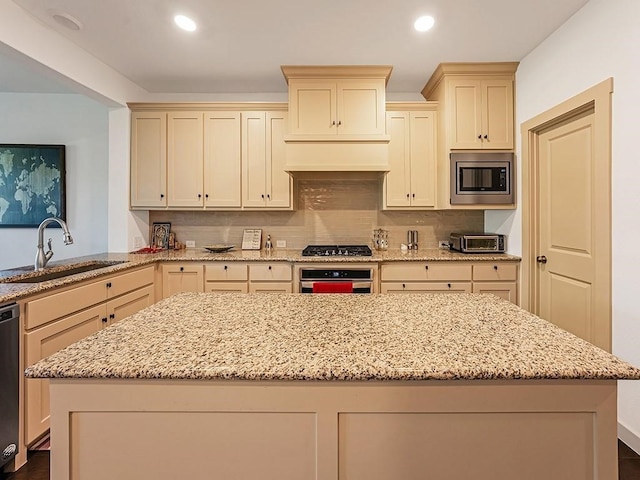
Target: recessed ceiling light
<point>66,20</point>
<point>424,23</point>
<point>185,23</point>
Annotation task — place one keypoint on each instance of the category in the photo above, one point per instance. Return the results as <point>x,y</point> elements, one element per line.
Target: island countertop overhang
<point>334,337</point>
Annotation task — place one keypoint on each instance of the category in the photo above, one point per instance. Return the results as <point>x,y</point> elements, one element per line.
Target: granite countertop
<point>11,292</point>
<point>333,337</point>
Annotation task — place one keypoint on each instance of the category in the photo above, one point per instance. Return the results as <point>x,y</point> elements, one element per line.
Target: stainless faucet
<point>41,257</point>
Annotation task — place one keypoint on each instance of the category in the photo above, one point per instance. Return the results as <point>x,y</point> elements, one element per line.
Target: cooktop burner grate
<point>336,250</point>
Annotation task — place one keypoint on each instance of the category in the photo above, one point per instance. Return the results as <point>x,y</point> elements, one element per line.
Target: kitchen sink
<point>61,271</point>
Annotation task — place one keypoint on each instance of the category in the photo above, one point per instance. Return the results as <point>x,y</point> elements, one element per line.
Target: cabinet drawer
<point>506,290</point>
<point>270,287</point>
<point>424,271</point>
<point>226,272</point>
<point>425,287</point>
<point>51,307</point>
<point>221,287</point>
<point>495,272</point>
<point>129,281</point>
<point>270,272</point>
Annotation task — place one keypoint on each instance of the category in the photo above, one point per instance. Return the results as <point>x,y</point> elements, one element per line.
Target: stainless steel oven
<point>336,279</point>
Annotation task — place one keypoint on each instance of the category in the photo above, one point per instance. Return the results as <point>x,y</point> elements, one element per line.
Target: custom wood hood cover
<point>337,119</point>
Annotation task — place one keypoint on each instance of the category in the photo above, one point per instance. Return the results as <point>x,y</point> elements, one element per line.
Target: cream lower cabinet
<point>425,277</point>
<point>270,277</point>
<point>226,277</point>
<point>182,277</point>
<point>499,278</point>
<point>55,321</point>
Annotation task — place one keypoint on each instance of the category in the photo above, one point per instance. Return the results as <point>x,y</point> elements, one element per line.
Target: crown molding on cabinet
<point>336,71</point>
<point>209,106</point>
<point>468,68</point>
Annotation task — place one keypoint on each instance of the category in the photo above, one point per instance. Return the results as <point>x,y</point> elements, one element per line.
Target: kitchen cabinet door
<point>312,106</point>
<point>481,113</point>
<point>411,181</point>
<point>265,184</point>
<point>185,159</point>
<point>425,287</point>
<point>129,304</point>
<point>45,341</point>
<point>360,107</point>
<point>148,159</point>
<point>506,290</point>
<point>222,163</point>
<point>183,277</point>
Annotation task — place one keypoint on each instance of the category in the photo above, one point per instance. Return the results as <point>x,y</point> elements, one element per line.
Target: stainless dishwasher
<point>9,381</point>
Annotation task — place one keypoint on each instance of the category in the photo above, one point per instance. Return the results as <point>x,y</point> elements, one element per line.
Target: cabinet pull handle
<point>182,269</point>
<point>104,320</point>
<point>495,267</point>
<point>108,284</point>
<point>112,316</point>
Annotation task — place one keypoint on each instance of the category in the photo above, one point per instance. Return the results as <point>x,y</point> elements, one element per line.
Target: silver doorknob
<point>541,259</point>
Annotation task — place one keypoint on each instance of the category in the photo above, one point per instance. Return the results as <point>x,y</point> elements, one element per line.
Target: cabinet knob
<point>262,195</point>
<point>269,267</point>
<point>112,316</point>
<point>413,195</point>
<point>268,197</point>
<point>104,320</point>
<point>182,269</point>
<point>199,195</point>
<point>206,195</point>
<point>404,286</point>
<point>486,137</point>
<point>108,284</point>
<point>426,267</point>
<point>479,137</point>
<point>162,195</point>
<point>448,285</point>
<point>495,267</point>
<point>225,267</point>
<point>333,123</point>
<point>339,122</point>
<point>408,196</point>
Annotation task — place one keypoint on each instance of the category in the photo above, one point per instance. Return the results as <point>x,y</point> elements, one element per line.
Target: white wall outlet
<point>443,244</point>
<point>138,242</point>
<point>281,243</point>
<point>190,243</point>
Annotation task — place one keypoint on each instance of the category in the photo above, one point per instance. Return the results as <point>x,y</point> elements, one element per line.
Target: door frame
<point>598,100</point>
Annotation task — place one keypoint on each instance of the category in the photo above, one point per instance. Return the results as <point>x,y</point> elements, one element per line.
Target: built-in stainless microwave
<point>481,178</point>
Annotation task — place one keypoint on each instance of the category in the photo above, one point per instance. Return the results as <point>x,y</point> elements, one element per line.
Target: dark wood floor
<point>37,468</point>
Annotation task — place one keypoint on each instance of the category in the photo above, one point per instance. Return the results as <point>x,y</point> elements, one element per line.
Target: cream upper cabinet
<point>185,159</point>
<point>328,103</point>
<point>411,180</point>
<point>481,113</point>
<point>265,184</point>
<point>148,159</point>
<point>222,173</point>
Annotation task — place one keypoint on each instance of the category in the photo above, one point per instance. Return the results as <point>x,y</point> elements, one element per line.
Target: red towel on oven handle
<point>333,287</point>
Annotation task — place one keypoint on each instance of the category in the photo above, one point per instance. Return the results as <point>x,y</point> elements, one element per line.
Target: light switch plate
<point>281,243</point>
<point>190,243</point>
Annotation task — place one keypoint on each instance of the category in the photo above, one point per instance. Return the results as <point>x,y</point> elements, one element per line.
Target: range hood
<point>337,119</point>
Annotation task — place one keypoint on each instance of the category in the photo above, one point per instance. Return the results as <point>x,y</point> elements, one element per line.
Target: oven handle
<point>309,283</point>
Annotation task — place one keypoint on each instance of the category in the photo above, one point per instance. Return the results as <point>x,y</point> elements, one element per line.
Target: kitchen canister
<point>380,239</point>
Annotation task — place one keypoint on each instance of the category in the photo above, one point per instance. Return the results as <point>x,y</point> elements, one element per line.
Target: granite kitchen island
<point>333,387</point>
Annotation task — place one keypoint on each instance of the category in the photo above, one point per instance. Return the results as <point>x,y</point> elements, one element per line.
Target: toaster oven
<point>477,242</point>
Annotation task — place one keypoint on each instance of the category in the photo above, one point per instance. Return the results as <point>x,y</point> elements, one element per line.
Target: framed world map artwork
<point>32,184</point>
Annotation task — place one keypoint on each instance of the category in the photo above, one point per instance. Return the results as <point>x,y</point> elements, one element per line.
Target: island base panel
<point>105,429</point>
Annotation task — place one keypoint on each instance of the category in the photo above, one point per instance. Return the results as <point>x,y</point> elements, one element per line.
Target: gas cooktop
<point>336,250</point>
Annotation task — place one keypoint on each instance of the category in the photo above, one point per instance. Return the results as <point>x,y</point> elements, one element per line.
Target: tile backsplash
<point>326,212</point>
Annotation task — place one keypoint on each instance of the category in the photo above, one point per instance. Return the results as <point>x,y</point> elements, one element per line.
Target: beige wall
<point>327,212</point>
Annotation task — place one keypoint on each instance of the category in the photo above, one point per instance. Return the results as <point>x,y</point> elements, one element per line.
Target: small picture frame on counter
<point>160,235</point>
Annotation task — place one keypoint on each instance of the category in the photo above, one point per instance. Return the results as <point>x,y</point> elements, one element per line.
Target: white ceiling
<point>240,44</point>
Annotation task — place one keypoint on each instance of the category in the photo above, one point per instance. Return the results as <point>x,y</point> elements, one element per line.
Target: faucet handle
<point>49,244</point>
